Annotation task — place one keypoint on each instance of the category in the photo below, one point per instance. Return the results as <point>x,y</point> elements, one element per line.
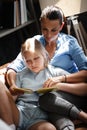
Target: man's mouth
<point>53,38</point>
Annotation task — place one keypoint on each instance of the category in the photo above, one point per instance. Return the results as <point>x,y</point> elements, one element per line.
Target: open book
<point>30,91</point>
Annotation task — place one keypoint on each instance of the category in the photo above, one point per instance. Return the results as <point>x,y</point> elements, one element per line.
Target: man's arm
<point>75,83</point>
<point>77,77</point>
<point>79,89</point>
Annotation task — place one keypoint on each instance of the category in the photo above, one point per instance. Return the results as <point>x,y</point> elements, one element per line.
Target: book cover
<point>17,18</point>
<point>23,11</point>
<point>30,91</point>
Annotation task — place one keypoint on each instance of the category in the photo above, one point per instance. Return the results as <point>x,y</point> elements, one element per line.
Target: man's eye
<point>54,30</point>
<point>44,29</point>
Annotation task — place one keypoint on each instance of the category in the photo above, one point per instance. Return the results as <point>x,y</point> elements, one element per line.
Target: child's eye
<point>36,58</point>
<point>27,61</point>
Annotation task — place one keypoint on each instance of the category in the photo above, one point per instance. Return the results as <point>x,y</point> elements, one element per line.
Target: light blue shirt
<point>35,81</point>
<point>68,55</point>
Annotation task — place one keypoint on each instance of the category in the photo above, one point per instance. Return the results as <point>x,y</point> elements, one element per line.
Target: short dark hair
<point>53,13</point>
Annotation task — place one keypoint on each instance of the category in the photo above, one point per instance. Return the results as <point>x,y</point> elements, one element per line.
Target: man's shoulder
<point>67,40</point>
<point>66,36</point>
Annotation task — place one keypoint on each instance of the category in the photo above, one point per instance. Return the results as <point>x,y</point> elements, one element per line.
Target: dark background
<point>10,44</point>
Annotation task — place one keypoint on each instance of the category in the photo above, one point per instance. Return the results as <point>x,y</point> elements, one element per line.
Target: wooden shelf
<point>9,31</point>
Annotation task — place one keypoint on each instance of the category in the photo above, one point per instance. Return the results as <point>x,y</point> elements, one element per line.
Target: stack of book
<point>14,13</point>
<point>21,12</point>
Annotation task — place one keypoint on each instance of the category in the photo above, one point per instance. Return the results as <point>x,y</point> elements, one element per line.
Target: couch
<point>78,124</point>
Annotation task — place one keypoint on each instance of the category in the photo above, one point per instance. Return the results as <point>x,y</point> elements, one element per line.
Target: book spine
<point>23,11</point>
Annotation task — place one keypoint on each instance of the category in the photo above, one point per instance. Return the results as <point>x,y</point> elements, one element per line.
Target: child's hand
<point>14,92</point>
<point>51,82</point>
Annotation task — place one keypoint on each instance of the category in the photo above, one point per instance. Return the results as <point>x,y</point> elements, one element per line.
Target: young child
<point>26,114</point>
<point>34,76</point>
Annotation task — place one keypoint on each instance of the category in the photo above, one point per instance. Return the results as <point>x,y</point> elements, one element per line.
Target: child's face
<point>34,61</point>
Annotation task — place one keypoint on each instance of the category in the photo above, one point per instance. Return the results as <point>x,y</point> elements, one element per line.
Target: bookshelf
<point>6,32</point>
<point>16,28</point>
<point>20,19</point>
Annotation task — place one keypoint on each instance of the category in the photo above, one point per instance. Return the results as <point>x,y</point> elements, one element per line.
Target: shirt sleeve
<point>18,82</point>
<point>77,54</point>
<point>18,64</point>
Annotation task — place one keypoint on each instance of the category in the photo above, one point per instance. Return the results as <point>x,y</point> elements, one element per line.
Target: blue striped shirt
<point>68,55</point>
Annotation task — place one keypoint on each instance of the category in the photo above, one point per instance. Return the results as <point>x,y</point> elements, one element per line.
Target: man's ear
<point>61,26</point>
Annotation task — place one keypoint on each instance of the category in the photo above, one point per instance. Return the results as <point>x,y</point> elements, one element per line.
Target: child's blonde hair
<point>32,44</point>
